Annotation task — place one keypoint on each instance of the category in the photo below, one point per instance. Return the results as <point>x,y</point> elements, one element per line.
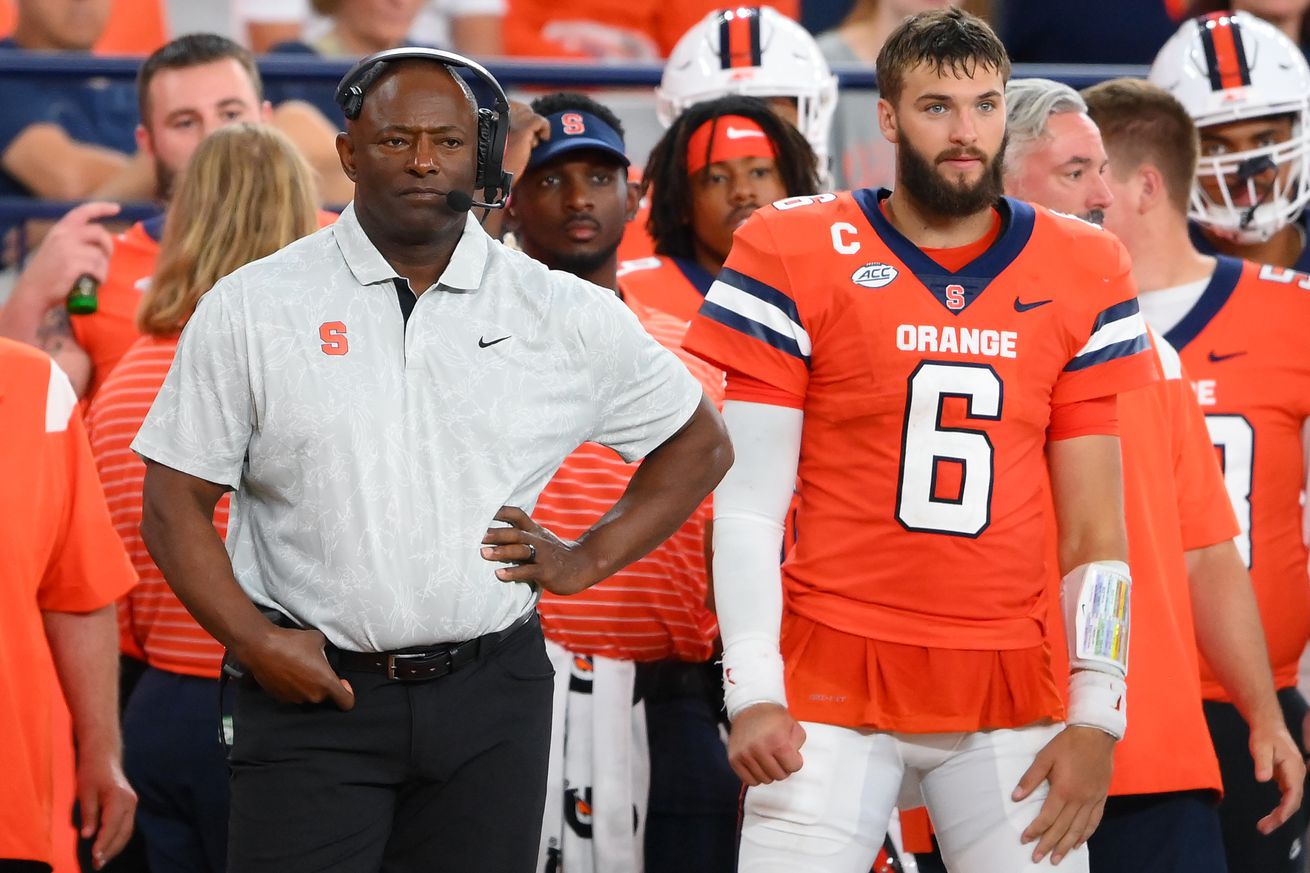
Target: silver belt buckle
<point>414,656</point>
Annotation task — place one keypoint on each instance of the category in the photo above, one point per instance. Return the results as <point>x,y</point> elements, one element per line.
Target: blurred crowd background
<point>603,41</point>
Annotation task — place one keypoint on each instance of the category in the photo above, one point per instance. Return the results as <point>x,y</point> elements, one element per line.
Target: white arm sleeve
<point>750,509</point>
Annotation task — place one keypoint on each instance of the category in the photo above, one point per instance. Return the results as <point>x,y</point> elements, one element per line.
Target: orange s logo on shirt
<point>333,334</point>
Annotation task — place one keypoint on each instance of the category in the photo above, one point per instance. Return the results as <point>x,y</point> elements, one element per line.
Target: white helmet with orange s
<point>756,51</point>
<point>1227,67</point>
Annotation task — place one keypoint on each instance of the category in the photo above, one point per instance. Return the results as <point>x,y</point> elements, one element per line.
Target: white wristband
<point>1098,700</point>
<point>1097,610</point>
<point>752,673</point>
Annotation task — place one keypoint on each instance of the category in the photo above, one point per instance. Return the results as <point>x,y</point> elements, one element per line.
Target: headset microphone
<point>459,201</point>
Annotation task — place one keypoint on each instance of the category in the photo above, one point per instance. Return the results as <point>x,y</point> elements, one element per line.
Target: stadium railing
<point>513,74</point>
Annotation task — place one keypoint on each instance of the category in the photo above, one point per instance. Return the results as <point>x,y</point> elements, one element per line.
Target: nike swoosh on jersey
<point>1020,306</point>
<point>734,133</point>
<point>482,343</point>
<point>1214,359</point>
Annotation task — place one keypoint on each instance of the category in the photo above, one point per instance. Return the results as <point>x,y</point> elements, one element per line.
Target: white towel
<point>598,781</point>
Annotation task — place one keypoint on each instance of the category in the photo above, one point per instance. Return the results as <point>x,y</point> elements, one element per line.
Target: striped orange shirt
<point>655,608</point>
<point>153,623</point>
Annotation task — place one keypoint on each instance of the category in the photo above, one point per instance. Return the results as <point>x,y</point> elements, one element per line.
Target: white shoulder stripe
<point>1127,328</point>
<point>1168,356</point>
<point>60,401</point>
<point>763,313</point>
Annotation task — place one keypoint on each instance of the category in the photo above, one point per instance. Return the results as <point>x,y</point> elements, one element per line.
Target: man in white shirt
<point>381,394</point>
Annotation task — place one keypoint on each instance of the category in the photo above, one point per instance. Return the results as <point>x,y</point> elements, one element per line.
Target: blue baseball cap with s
<point>572,129</point>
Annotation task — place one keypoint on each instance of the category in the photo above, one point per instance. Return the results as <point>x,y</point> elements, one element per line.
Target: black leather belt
<point>430,662</point>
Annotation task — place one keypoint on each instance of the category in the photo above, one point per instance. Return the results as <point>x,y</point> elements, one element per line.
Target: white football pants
<point>831,815</point>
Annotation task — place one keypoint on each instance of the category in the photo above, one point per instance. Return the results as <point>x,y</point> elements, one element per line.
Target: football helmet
<point>756,51</point>
<point>1232,66</point>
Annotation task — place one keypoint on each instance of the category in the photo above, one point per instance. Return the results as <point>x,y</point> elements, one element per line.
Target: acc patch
<point>875,275</point>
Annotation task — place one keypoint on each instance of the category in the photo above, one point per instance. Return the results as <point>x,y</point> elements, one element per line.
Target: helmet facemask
<point>1235,197</point>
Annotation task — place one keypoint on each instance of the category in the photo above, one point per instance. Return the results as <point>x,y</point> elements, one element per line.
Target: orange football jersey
<point>1244,344</point>
<point>676,286</point>
<point>926,396</point>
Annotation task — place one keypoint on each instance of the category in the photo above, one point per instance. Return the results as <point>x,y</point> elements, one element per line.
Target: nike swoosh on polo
<point>735,133</point>
<point>1214,359</point>
<point>482,343</point>
<point>1020,306</point>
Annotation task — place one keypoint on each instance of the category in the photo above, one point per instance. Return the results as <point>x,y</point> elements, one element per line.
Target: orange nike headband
<point>725,138</point>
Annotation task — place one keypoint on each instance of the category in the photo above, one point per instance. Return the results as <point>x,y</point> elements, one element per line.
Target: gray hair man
<point>1055,155</point>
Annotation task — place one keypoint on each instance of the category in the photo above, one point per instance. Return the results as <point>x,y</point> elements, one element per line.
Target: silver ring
<point>532,553</point>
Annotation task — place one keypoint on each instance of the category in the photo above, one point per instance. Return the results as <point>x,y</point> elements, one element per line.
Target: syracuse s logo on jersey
<point>875,275</point>
<point>955,297</point>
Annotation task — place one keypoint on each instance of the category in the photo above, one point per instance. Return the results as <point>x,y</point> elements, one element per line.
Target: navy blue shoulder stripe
<point>1122,349</point>
<point>758,289</point>
<point>1120,310</point>
<point>752,328</point>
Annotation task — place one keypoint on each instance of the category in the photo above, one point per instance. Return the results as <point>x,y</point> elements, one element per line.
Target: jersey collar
<point>972,279</point>
<point>695,274</point>
<point>1222,283</point>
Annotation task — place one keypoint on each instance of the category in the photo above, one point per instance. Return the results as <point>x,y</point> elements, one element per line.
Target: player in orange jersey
<point>719,162</point>
<point>923,358</point>
<point>1191,586</point>
<point>1240,330</point>
<point>648,628</point>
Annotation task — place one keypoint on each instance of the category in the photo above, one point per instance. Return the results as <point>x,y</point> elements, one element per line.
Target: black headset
<point>493,124</point>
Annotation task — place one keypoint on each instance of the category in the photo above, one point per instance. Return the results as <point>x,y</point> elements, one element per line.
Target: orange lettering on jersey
<point>333,334</point>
